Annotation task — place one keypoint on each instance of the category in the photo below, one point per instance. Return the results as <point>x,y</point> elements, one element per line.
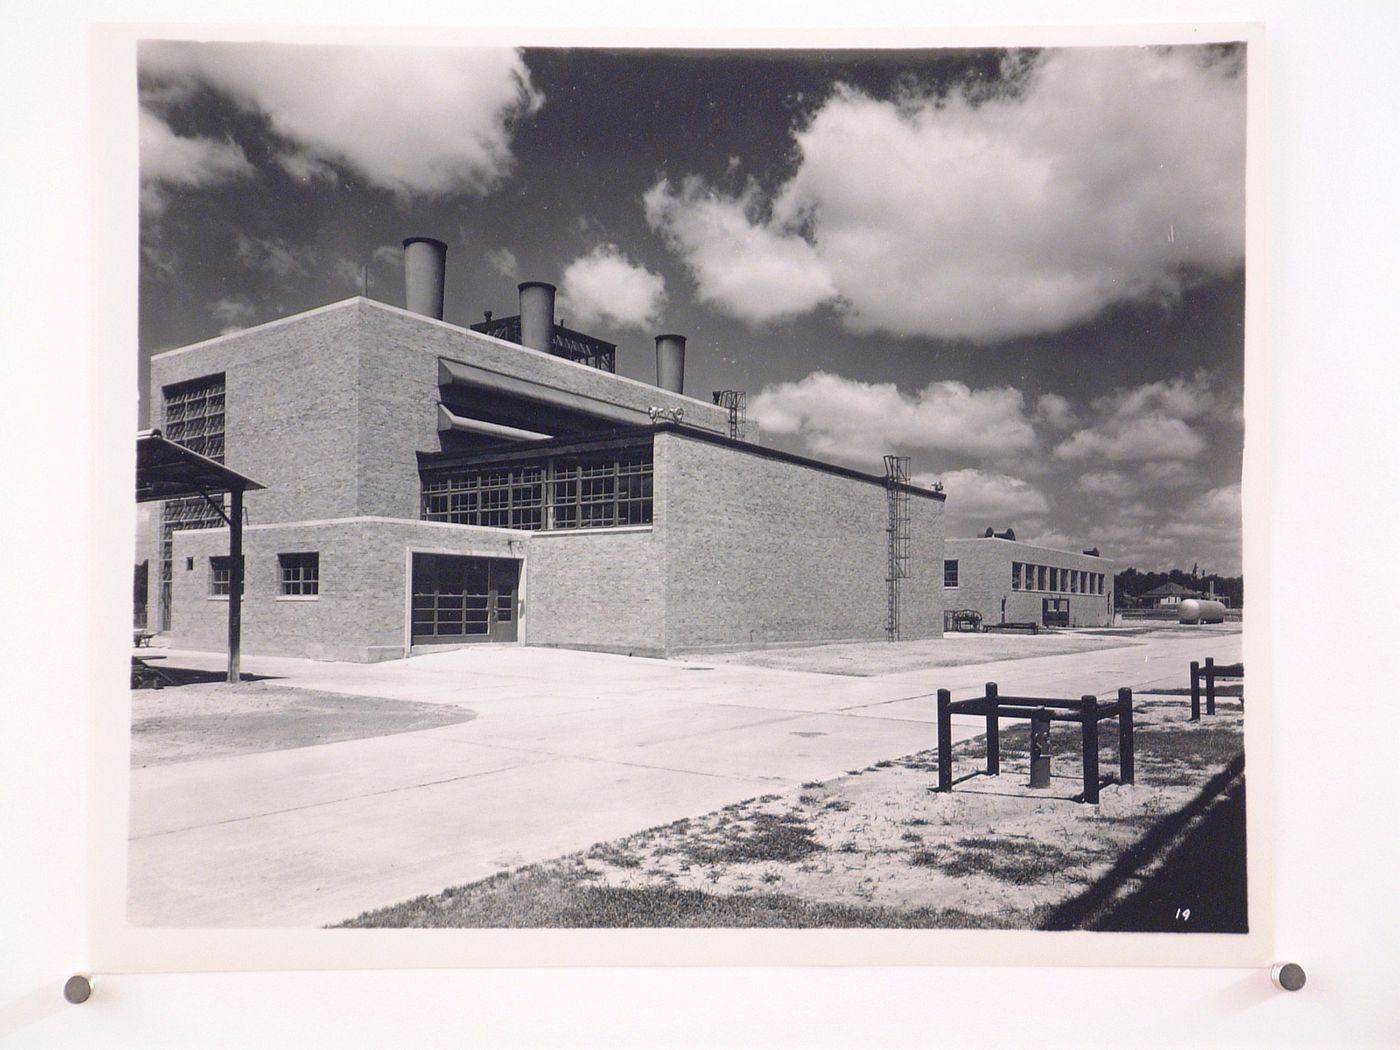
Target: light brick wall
<point>361,611</point>
<point>984,579</point>
<point>596,589</point>
<point>291,409</point>
<point>758,551</point>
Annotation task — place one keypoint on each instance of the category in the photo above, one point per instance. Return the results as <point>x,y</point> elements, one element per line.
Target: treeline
<point>1131,584</point>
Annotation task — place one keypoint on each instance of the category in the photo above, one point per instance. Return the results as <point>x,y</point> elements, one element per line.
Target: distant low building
<point>1169,594</point>
<point>1006,581</point>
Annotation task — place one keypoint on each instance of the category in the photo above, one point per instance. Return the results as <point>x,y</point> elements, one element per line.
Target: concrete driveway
<point>567,749</point>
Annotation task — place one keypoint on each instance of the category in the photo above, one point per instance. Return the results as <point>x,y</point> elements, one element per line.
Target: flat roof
<point>1028,546</point>
<point>166,470</point>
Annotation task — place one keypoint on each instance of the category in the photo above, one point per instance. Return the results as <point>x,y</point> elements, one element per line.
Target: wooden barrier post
<point>1125,736</point>
<point>945,741</point>
<point>1040,749</point>
<point>1089,722</point>
<point>993,733</point>
<point>1195,691</point>
<point>1210,685</point>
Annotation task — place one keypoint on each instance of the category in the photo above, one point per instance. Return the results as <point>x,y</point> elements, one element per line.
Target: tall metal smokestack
<point>670,363</point>
<point>537,315</point>
<point>424,266</point>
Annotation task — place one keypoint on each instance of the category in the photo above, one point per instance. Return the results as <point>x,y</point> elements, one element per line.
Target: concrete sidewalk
<point>568,749</point>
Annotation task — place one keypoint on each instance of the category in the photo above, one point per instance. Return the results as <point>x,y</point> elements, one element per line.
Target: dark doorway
<point>1054,612</point>
<point>458,599</point>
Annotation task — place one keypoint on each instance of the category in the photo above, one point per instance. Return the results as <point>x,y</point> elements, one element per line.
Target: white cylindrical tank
<point>1202,610</point>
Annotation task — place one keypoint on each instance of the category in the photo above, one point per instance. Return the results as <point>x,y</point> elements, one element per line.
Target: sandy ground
<point>881,836</point>
<point>208,719</point>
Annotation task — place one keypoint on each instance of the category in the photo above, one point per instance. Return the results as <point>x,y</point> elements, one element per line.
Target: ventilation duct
<point>670,363</point>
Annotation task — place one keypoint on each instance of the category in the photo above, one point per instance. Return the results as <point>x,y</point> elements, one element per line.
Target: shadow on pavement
<point>174,677</point>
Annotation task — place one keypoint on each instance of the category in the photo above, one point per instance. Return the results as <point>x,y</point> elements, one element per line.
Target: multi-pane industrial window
<point>1040,577</point>
<point>573,492</point>
<point>1015,575</point>
<point>299,575</point>
<point>220,575</point>
<point>192,415</point>
<point>950,572</point>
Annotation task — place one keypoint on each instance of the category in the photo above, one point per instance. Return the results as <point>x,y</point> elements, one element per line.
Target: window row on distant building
<point>1028,577</point>
<point>298,575</point>
<point>567,492</point>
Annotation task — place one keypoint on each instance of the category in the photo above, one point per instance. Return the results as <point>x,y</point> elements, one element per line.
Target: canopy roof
<point>165,470</point>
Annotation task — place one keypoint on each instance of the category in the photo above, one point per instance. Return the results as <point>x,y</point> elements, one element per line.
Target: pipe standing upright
<point>670,363</point>
<point>424,268</point>
<point>537,315</point>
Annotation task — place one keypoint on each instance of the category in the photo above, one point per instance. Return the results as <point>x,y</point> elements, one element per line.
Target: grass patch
<point>764,838</point>
<point>534,897</point>
<point>1021,863</point>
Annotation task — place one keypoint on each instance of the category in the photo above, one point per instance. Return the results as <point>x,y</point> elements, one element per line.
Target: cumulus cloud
<point>1110,483</point>
<point>273,255</point>
<point>1148,423</point>
<point>235,312</point>
<point>606,286</point>
<point>1205,531</point>
<point>1150,437</point>
<point>168,159</point>
<point>1181,398</point>
<point>980,498</point>
<point>1086,177</point>
<point>504,262</point>
<point>1055,411</point>
<point>857,421</point>
<point>412,120</point>
<point>750,270</point>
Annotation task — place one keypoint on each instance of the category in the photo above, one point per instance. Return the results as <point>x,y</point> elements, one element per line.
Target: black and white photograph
<point>604,526</point>
<point>649,488</point>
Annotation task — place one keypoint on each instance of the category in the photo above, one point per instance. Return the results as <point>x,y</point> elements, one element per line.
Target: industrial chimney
<point>424,265</point>
<point>537,315</point>
<point>670,363</point>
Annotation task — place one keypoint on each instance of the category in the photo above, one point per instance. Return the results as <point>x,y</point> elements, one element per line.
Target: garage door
<point>458,599</point>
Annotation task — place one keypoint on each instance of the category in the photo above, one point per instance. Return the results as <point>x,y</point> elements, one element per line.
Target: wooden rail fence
<point>1041,711</point>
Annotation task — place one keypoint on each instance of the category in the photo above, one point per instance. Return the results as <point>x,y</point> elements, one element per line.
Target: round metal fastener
<point>1288,976</point>
<point>78,988</point>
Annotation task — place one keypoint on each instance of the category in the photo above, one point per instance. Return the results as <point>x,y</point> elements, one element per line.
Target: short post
<point>1195,691</point>
<point>1040,749</point>
<point>1210,685</point>
<point>1089,723</point>
<point>1125,736</point>
<point>993,733</point>
<point>945,741</point>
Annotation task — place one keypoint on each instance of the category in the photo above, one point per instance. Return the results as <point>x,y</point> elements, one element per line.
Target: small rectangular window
<point>1015,575</point>
<point>220,576</point>
<point>950,572</point>
<point>300,574</point>
<point>1040,577</point>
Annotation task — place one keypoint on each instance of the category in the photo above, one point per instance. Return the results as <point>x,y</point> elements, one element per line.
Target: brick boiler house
<point>1006,581</point>
<point>428,484</point>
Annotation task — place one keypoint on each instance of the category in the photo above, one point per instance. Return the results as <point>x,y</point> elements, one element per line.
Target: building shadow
<point>1198,880</point>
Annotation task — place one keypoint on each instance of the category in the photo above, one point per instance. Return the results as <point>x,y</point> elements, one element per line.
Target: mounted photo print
<point>635,494</point>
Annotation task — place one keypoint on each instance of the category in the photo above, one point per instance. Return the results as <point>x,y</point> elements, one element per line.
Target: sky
<point>1024,270</point>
